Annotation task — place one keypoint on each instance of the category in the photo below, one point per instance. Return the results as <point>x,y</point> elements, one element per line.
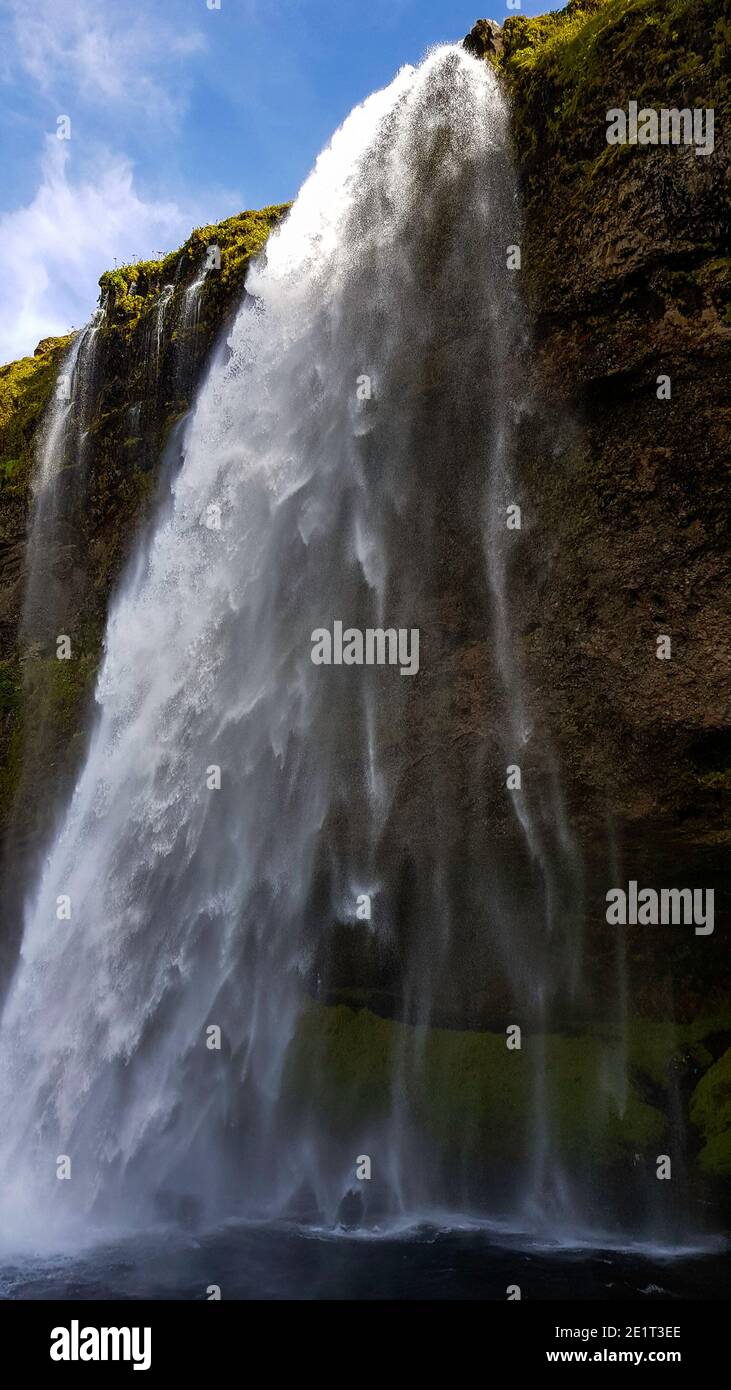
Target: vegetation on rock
<point>469,1091</point>
<point>710,1111</point>
<point>131,292</point>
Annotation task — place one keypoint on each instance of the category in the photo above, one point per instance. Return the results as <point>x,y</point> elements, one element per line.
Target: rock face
<point>625,261</point>
<point>485,40</point>
<point>625,265</point>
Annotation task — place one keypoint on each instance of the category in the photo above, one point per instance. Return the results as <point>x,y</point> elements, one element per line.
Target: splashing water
<point>192,905</point>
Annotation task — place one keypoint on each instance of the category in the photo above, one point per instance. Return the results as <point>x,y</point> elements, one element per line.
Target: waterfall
<point>350,458</point>
<point>188,318</point>
<point>54,579</point>
<point>57,483</point>
<point>164,298</point>
<point>156,341</point>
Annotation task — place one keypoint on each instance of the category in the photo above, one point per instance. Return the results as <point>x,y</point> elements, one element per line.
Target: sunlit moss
<point>26,387</point>
<point>572,65</point>
<point>131,292</point>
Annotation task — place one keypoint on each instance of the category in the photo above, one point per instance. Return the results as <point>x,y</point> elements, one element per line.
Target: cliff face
<point>626,262</point>
<point>625,265</point>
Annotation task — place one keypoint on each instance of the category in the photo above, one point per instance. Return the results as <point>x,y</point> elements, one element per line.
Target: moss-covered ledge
<point>26,387</point>
<point>469,1093</point>
<point>130,293</point>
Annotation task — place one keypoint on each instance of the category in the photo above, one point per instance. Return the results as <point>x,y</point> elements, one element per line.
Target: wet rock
<point>485,39</point>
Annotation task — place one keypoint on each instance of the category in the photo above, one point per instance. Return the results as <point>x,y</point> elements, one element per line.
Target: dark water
<point>275,1262</point>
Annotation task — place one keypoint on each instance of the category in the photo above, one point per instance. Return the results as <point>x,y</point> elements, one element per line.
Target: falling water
<point>54,578</point>
<point>57,482</point>
<point>186,329</point>
<point>357,448</point>
<point>164,298</point>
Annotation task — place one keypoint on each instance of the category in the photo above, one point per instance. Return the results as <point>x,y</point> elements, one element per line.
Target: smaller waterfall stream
<point>165,296</point>
<point>186,329</point>
<point>58,482</point>
<point>538,806</point>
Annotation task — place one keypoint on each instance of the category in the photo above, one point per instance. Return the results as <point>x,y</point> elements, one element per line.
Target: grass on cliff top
<point>570,40</point>
<point>133,289</point>
<point>27,385</point>
<point>659,52</point>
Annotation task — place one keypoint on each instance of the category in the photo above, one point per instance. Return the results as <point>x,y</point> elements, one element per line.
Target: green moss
<point>465,1090</point>
<point>714,279</point>
<point>11,767</point>
<point>11,704</point>
<point>350,1052</point>
<point>567,68</point>
<point>476,1095</point>
<point>132,291</point>
<point>9,469</point>
<point>710,1112</point>
<point>571,45</point>
<point>653,1045</point>
<point>717,781</point>
<point>58,687</point>
<point>25,390</point>
<point>475,1099</point>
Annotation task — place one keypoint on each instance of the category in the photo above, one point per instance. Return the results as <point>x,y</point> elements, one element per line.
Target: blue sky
<point>179,115</point>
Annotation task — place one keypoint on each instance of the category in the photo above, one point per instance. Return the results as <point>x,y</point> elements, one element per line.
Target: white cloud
<point>56,248</point>
<point>131,58</point>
